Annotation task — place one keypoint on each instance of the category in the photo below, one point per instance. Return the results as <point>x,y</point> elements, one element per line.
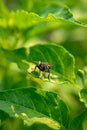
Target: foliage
<point>47,31</point>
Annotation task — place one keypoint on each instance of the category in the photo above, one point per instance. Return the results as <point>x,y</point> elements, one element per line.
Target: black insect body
<point>43,66</point>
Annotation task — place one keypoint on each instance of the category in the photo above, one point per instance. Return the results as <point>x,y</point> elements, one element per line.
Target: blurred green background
<point>72,37</point>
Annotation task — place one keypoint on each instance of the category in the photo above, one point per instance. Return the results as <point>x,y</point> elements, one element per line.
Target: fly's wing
<point>36,62</point>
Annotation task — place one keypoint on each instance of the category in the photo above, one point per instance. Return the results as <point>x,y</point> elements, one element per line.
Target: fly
<point>43,66</point>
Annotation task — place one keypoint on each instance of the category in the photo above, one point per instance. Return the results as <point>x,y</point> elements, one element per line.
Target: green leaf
<point>62,61</point>
<point>53,13</point>
<point>56,55</point>
<point>17,56</point>
<point>77,123</point>
<point>83,96</point>
<point>35,105</point>
<point>21,26</point>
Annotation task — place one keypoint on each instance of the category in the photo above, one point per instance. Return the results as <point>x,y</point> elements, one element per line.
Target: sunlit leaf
<point>54,13</point>
<point>57,56</point>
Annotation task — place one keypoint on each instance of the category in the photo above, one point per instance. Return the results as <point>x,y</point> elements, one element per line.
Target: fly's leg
<point>49,75</point>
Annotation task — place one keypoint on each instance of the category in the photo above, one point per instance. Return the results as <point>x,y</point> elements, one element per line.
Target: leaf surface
<point>62,61</point>
<point>16,56</point>
<point>52,13</point>
<point>55,55</point>
<point>83,96</point>
<point>35,105</point>
<point>77,122</point>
